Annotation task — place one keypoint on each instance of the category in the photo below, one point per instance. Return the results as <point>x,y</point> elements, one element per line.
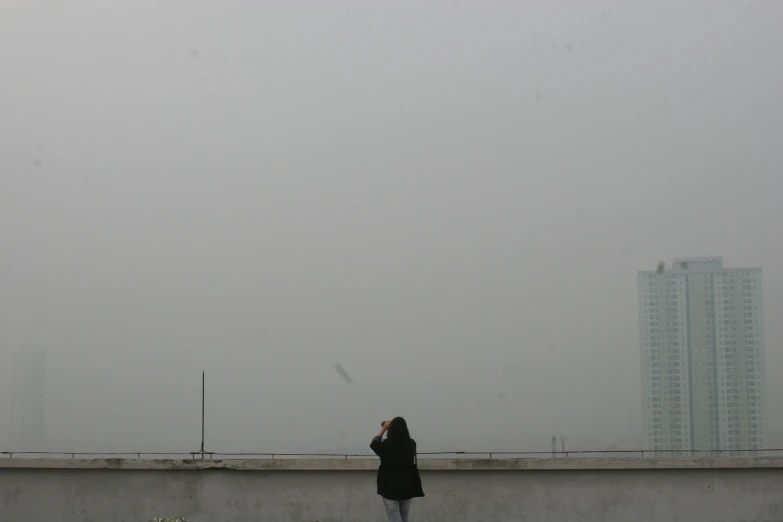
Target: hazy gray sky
<point>451,201</point>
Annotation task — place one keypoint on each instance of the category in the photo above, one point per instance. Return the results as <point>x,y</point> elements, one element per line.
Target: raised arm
<point>377,442</point>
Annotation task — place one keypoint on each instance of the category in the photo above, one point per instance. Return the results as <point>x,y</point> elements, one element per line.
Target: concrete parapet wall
<point>607,490</point>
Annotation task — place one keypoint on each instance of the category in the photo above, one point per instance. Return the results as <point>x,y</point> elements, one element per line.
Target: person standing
<point>398,475</point>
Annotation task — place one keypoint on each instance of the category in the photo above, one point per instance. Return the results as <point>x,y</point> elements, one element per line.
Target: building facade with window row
<point>701,335</point>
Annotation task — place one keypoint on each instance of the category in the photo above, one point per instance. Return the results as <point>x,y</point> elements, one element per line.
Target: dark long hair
<point>403,447</point>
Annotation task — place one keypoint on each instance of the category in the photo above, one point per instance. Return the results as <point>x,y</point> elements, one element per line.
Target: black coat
<point>398,478</point>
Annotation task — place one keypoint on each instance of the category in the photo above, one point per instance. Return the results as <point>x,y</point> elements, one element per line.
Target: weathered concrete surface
<point>371,464</point>
<point>613,490</point>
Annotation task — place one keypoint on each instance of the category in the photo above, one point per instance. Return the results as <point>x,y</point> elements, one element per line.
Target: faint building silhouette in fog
<point>28,400</point>
<point>702,342</point>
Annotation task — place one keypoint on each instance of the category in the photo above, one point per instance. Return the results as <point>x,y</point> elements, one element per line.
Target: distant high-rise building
<point>28,400</point>
<point>701,334</point>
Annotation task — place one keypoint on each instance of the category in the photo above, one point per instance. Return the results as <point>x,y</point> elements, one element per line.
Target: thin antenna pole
<point>203,393</point>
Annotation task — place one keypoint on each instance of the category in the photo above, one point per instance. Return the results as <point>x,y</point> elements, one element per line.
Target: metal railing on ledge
<point>209,455</point>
